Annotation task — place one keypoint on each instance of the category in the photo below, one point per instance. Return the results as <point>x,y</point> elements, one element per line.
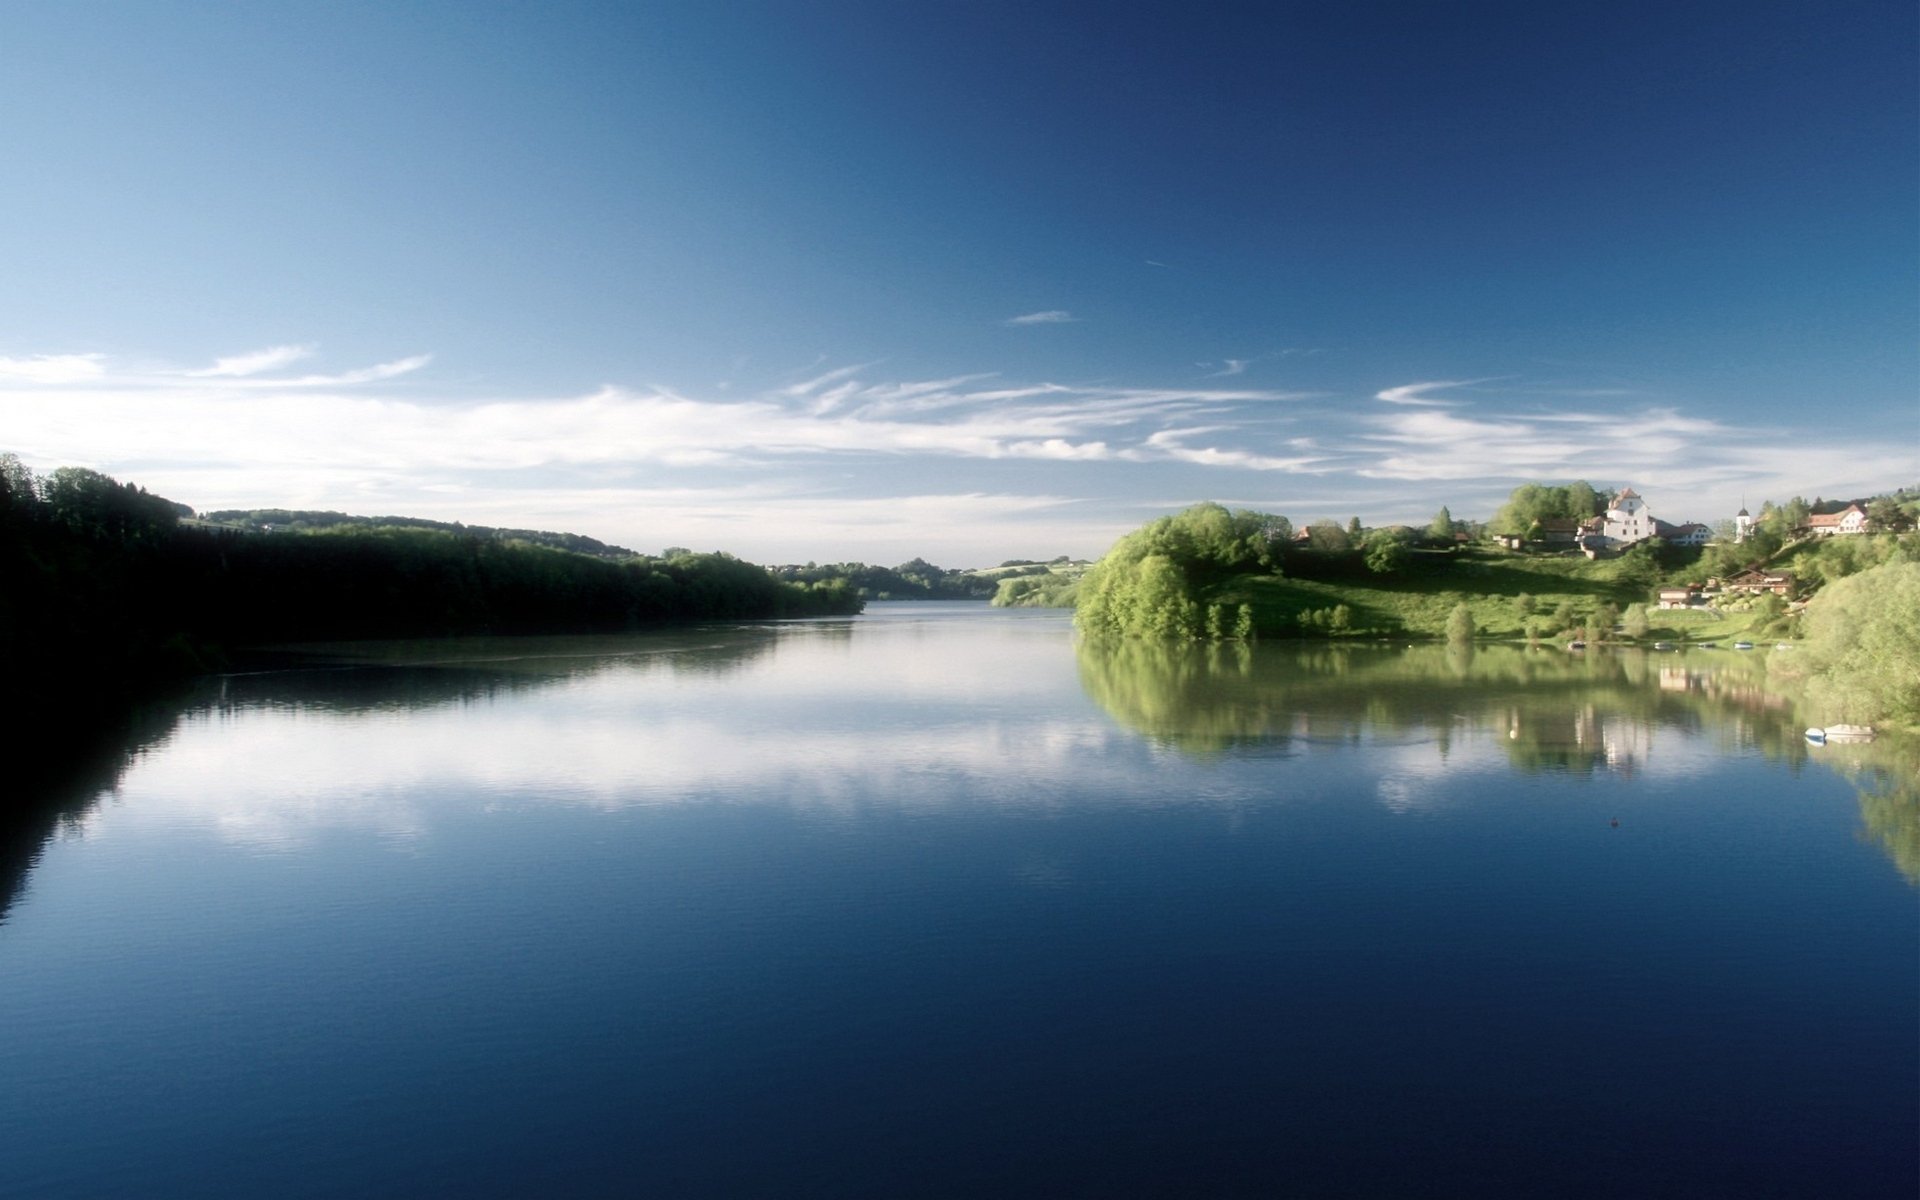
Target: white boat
<point>1839,734</point>
<point>1663,645</point>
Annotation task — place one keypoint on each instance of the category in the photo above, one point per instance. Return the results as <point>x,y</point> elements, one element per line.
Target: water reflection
<point>386,740</point>
<point>922,710</point>
<point>1549,711</point>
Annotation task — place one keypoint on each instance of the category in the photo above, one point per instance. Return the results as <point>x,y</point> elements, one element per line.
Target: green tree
<point>1354,531</point>
<point>1863,647</point>
<point>1460,623</point>
<point>1279,533</point>
<point>1387,552</point>
<point>1604,619</point>
<point>1636,621</point>
<point>1887,515</point>
<point>1151,582</point>
<point>1582,501</point>
<point>1440,529</point>
<point>1327,536</point>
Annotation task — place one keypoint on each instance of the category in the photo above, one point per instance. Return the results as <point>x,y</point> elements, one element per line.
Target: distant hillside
<point>283,520</point>
<point>915,580</point>
<point>1054,584</point>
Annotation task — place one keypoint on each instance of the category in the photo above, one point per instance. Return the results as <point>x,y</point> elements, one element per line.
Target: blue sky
<point>968,281</point>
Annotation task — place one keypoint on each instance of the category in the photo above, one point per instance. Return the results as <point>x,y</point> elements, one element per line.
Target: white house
<point>1693,533</point>
<point>1851,519</point>
<point>1626,522</point>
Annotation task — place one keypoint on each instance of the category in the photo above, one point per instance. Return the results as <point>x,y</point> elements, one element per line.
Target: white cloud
<point>1053,316</point>
<point>372,374</point>
<point>53,368</point>
<point>1416,393</point>
<point>240,365</point>
<point>843,466</point>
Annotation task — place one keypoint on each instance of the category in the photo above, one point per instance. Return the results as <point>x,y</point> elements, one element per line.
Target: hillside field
<point>1418,600</point>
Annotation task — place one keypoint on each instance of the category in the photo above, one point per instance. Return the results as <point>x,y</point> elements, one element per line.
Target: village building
<point>1693,533</point>
<point>1690,596</point>
<point>1851,519</point>
<point>1758,580</point>
<point>1626,522</point>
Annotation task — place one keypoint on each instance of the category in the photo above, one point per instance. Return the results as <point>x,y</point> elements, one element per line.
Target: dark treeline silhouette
<point>102,588</point>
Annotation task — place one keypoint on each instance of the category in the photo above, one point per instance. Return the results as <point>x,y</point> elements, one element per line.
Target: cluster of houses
<point>1753,582</point>
<point>1851,519</point>
<point>1626,522</point>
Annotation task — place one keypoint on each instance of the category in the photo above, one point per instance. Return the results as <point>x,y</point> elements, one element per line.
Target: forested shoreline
<point>107,590</point>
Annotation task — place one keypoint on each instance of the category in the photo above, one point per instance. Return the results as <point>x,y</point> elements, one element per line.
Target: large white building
<point>1626,522</point>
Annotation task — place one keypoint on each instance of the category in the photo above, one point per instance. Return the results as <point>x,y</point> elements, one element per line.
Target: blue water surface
<point>934,902</point>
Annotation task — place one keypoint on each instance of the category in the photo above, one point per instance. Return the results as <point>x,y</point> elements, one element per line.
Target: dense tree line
<point>915,580</point>
<point>283,520</point>
<point>101,580</point>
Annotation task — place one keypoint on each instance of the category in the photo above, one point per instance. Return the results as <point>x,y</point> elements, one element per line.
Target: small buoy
<point>1615,822</point>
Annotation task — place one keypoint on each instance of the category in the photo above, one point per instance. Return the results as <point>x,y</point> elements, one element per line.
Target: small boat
<point>1663,645</point>
<point>1743,645</point>
<point>1849,733</point>
<point>1709,645</point>
<point>1783,645</point>
<point>1817,736</point>
<point>1576,645</point>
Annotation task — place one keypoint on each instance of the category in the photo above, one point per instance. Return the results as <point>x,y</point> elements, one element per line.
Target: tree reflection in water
<point>1551,710</point>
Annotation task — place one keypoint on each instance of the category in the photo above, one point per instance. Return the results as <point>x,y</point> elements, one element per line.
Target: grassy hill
<point>1418,599</point>
<point>1204,572</point>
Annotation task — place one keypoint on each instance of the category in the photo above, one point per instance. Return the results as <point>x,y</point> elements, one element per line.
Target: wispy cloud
<point>373,374</point>
<point>1228,367</point>
<point>813,467</point>
<point>1053,316</point>
<point>1416,393</point>
<point>53,368</point>
<point>240,365</point>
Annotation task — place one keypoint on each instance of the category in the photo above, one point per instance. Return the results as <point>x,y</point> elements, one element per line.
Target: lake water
<point>935,902</point>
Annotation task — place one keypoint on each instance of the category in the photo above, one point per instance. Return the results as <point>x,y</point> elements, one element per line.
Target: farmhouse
<point>1759,580</point>
<point>1693,533</point>
<point>1851,519</point>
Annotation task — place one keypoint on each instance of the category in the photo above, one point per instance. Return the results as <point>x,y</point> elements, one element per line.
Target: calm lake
<point>936,901</point>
